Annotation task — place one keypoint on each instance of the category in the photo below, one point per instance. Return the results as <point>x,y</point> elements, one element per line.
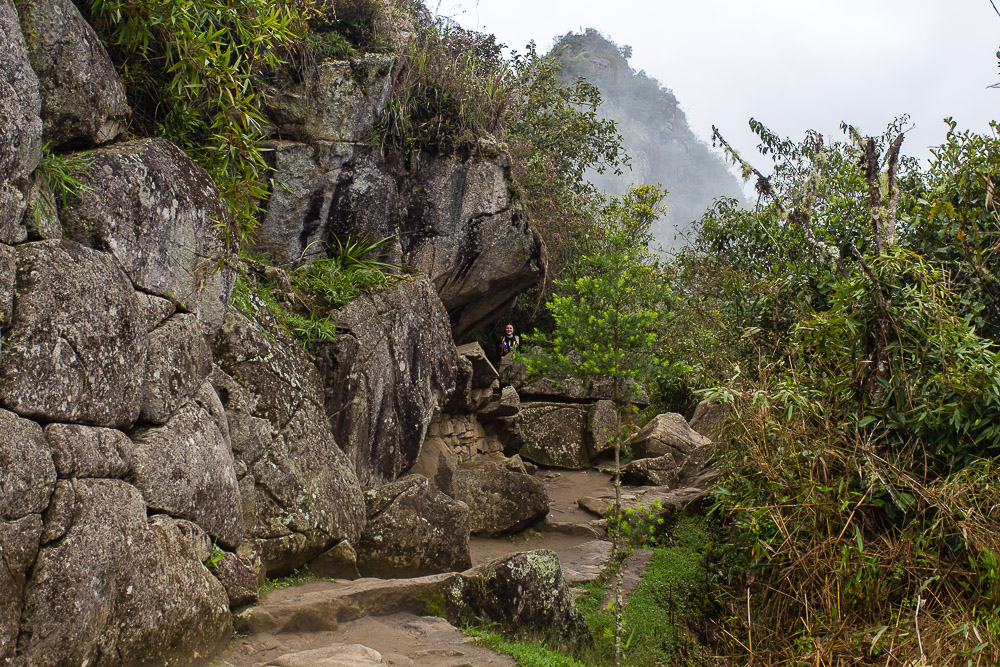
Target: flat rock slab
<point>323,605</point>
<point>584,562</point>
<point>666,496</point>
<point>404,639</point>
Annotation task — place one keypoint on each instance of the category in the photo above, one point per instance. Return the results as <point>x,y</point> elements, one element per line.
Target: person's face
<point>509,330</point>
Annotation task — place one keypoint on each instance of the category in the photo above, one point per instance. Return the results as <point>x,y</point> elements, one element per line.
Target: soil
<point>406,639</point>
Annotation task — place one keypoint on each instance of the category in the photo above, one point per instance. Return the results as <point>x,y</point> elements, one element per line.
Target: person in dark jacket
<point>510,342</point>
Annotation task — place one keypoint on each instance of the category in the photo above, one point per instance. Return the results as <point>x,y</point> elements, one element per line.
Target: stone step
<point>322,605</point>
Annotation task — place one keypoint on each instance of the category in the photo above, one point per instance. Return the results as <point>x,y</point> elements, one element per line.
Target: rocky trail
<point>329,623</point>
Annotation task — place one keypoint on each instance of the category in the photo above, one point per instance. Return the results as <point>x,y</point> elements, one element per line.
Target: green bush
<point>862,444</point>
<point>191,70</point>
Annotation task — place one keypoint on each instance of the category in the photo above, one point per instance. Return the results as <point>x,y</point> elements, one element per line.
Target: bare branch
<point>874,196</point>
<point>890,224</point>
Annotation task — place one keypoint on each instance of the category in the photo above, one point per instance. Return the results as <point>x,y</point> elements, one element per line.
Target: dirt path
<point>395,633</point>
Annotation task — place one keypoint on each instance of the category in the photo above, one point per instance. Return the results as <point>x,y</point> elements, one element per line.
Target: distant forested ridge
<point>656,135</point>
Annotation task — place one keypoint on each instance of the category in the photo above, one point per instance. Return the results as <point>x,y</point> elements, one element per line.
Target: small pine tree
<point>607,310</point>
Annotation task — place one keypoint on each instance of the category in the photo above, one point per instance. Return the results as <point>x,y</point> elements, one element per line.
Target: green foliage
<point>58,172</point>
<point>954,221</point>
<point>527,653</point>
<point>341,28</point>
<point>665,615</point>
<point>300,302</point>
<point>641,527</point>
<point>610,304</point>
<point>295,578</point>
<point>215,558</point>
<point>864,400</point>
<point>191,70</point>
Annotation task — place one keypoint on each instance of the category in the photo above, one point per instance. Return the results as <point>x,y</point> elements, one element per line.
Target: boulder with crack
<point>179,363</point>
<point>83,102</point>
<point>500,500</point>
<point>523,594</point>
<point>295,218</point>
<point>87,451</point>
<point>27,482</point>
<point>657,471</point>
<point>339,101</point>
<point>462,231</point>
<point>413,530</point>
<point>667,433</point>
<point>185,468</point>
<point>111,586</point>
<point>159,214</point>
<point>303,493</point>
<point>76,347</point>
<point>389,370</point>
<point>554,434</point>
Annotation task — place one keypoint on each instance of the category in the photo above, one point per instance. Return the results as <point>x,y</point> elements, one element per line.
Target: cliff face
<point>656,134</point>
<point>158,448</point>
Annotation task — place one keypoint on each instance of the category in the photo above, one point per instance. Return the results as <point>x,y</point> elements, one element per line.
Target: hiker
<point>509,344</point>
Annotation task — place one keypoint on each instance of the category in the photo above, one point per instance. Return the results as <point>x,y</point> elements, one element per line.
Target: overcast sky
<point>792,64</point>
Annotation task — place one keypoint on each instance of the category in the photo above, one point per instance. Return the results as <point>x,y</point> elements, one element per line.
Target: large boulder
<point>185,468</point>
<point>301,494</point>
<point>394,363</point>
<point>413,530</point>
<point>554,434</point>
<point>20,125</point>
<point>462,231</point>
<point>667,433</point>
<point>523,594</point>
<point>569,388</point>
<point>76,347</point>
<point>340,101</point>
<point>27,482</point>
<point>179,363</point>
<point>295,220</point>
<point>113,587</point>
<point>500,500</point>
<point>159,214</point>
<point>83,102</point>
<point>658,471</point>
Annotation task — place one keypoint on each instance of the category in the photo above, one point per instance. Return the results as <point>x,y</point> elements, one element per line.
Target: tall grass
<point>452,92</point>
<point>840,553</point>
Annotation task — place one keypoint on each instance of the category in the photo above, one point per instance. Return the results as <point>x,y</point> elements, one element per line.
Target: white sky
<point>792,64</point>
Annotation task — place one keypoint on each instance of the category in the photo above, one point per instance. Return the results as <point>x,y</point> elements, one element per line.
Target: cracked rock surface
<point>76,347</point>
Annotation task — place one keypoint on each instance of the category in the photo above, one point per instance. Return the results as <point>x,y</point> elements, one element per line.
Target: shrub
<point>190,70</point>
<point>452,92</point>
